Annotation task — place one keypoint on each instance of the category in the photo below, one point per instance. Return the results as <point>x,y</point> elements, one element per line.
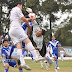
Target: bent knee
<point>55,58</point>
<point>7,65</point>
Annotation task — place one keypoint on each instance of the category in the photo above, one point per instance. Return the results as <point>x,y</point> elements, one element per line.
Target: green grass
<point>65,66</point>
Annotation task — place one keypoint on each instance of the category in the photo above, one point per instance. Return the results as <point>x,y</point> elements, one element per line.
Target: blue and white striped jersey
<point>54,46</point>
<point>7,51</point>
<point>25,27</point>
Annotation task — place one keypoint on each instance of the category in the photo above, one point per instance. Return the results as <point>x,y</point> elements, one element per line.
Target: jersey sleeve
<point>19,13</point>
<point>48,44</point>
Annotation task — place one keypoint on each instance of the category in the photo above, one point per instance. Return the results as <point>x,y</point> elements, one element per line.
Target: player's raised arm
<point>25,20</point>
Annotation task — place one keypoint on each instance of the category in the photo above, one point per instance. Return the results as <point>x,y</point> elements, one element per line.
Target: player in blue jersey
<point>24,53</point>
<point>54,44</point>
<point>7,60</point>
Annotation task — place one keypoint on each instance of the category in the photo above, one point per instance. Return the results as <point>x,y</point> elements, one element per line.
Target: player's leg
<point>41,64</point>
<point>49,60</point>
<point>47,56</point>
<point>46,64</point>
<point>62,56</point>
<point>56,62</point>
<point>30,47</point>
<point>21,57</point>
<point>31,57</point>
<point>19,53</point>
<point>6,67</point>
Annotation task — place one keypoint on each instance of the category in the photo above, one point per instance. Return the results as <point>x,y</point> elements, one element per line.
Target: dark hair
<point>5,40</point>
<point>20,3</point>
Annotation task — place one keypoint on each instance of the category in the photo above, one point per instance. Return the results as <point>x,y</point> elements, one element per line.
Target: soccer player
<point>38,39</point>
<point>62,52</point>
<point>18,35</point>
<point>7,60</point>
<point>54,44</point>
<point>41,46</point>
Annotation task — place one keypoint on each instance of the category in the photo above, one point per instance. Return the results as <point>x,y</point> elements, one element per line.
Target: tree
<point>49,7</point>
<point>64,35</point>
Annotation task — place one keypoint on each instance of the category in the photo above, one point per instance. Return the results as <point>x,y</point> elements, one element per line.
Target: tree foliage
<point>64,35</point>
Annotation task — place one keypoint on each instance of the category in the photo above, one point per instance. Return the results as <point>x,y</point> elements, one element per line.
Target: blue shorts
<point>55,55</point>
<point>11,62</point>
<point>25,53</point>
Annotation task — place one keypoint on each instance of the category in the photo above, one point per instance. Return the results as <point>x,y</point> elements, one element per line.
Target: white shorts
<point>17,34</point>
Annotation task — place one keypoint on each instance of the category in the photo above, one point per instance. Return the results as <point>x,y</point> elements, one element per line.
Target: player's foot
<point>40,59</point>
<point>58,68</point>
<point>47,69</point>
<point>25,66</point>
<point>41,67</point>
<point>55,70</point>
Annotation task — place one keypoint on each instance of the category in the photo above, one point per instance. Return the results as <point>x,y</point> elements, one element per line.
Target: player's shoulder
<point>16,9</point>
<point>2,49</point>
<point>50,41</point>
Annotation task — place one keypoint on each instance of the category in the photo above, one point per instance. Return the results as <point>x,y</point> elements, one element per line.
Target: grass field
<point>65,66</point>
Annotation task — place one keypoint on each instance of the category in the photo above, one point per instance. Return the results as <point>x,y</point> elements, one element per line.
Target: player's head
<point>53,38</point>
<point>19,4</point>
<point>5,42</point>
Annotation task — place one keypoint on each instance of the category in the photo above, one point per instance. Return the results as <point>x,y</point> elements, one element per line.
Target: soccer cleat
<point>25,66</point>
<point>58,68</point>
<point>39,59</point>
<point>47,69</point>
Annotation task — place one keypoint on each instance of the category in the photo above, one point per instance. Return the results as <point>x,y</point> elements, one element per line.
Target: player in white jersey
<point>18,35</point>
<point>62,52</point>
<point>38,39</point>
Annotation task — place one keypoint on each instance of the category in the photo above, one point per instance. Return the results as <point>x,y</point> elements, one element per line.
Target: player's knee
<point>55,58</point>
<point>26,41</point>
<point>7,65</point>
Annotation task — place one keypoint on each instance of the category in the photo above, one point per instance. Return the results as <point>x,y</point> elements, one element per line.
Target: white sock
<point>46,64</point>
<point>20,56</point>
<point>41,63</point>
<point>30,47</point>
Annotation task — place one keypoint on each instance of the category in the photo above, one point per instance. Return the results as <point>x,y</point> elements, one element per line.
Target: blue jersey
<point>7,51</point>
<point>5,54</point>
<point>25,27</point>
<point>54,46</point>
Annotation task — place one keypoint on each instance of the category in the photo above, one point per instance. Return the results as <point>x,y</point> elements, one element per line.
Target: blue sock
<point>32,57</point>
<point>56,64</point>
<point>20,70</point>
<point>50,61</point>
<point>6,70</point>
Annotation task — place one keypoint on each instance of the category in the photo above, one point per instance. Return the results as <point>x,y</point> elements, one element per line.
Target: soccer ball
<point>29,10</point>
<point>32,15</point>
